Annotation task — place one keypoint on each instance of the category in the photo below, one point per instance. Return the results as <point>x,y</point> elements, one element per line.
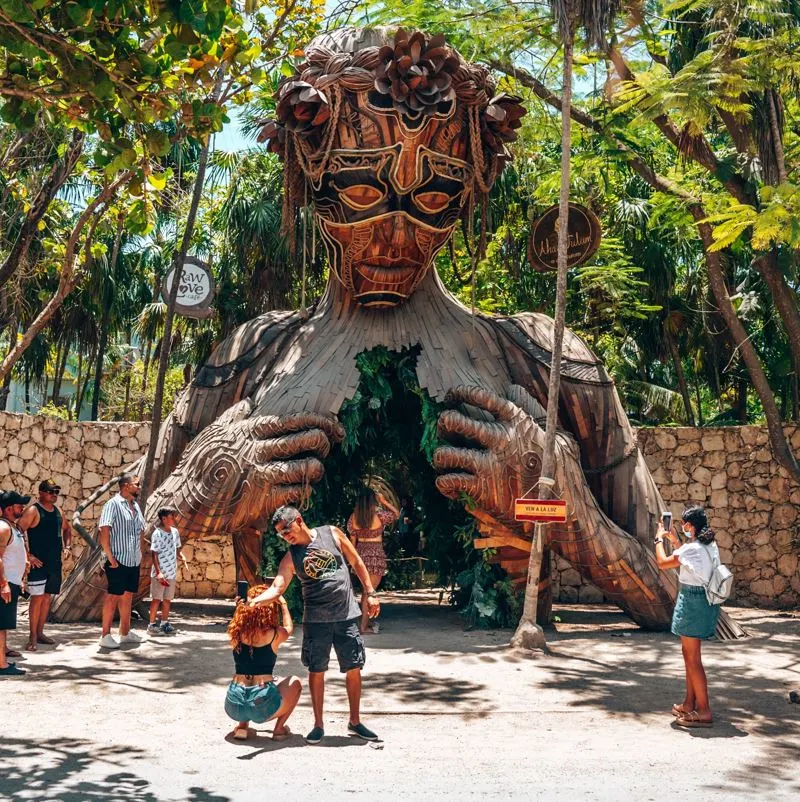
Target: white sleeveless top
<point>14,556</point>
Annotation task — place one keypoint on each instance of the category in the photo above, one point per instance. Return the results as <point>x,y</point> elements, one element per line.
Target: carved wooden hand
<point>493,460</point>
<point>239,469</point>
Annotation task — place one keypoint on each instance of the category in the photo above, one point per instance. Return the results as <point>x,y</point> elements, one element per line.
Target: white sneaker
<point>131,637</point>
<point>109,642</point>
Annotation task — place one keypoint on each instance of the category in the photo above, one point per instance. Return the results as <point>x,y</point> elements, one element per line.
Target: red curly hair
<point>249,622</point>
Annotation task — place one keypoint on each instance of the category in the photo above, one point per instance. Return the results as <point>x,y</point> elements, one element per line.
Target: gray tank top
<point>322,570</point>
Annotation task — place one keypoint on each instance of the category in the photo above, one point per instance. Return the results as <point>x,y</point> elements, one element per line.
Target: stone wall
<point>752,503</point>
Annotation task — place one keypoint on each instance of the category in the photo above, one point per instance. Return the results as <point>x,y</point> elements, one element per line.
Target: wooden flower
<point>301,106</point>
<point>500,121</point>
<point>274,133</point>
<point>415,72</point>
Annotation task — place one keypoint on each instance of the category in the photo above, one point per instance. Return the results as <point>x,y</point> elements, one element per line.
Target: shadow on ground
<point>59,769</point>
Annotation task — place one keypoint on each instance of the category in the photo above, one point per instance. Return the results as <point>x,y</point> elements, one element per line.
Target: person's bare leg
<point>353,683</point>
<point>3,658</point>
<point>153,610</point>
<point>165,605</point>
<point>316,686</point>
<point>34,605</point>
<point>109,608</point>
<point>290,689</point>
<point>698,679</point>
<point>687,705</point>
<point>125,604</point>
<point>43,613</point>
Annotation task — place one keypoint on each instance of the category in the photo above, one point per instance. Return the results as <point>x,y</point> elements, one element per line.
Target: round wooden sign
<point>584,238</point>
<point>196,291</point>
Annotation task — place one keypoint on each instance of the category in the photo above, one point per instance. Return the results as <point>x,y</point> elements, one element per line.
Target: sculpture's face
<point>391,195</point>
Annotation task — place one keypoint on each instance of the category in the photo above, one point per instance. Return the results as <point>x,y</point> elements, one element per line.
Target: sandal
<point>693,720</point>
<point>45,639</point>
<point>241,733</point>
<point>13,653</point>
<point>282,736</point>
<point>678,711</point>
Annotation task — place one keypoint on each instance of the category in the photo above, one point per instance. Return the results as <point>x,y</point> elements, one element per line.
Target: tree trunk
<point>62,355</point>
<point>68,278</point>
<point>683,386</point>
<point>716,280</point>
<point>59,173</point>
<point>147,351</point>
<point>82,390</point>
<point>98,368</point>
<point>529,634</point>
<point>77,385</point>
<point>13,325</point>
<point>166,341</point>
<point>777,136</point>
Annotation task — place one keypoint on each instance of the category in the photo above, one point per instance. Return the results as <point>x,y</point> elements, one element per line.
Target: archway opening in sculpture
<point>390,426</point>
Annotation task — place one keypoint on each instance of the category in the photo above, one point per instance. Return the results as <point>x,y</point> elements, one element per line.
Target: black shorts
<point>8,610</point>
<point>344,636</point>
<point>122,579</point>
<point>47,578</point>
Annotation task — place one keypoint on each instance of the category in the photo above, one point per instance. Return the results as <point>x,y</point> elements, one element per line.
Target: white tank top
<point>14,555</point>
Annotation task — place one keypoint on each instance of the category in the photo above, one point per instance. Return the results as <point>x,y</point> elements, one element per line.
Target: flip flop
<point>13,653</point>
<point>287,733</point>
<point>31,647</point>
<point>45,639</point>
<point>693,720</point>
<point>678,711</point>
<point>241,733</point>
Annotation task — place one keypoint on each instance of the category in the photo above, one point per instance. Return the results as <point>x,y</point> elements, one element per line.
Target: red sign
<point>539,509</point>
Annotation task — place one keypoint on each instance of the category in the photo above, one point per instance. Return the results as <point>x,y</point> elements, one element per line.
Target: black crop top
<point>254,659</point>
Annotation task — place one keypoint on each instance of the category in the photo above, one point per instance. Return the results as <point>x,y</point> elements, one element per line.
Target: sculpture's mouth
<point>387,271</point>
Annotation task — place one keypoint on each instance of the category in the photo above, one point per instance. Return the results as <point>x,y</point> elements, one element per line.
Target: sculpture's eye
<point>361,196</point>
<point>432,202</point>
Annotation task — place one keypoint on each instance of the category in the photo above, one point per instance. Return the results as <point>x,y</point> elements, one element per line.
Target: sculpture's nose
<point>394,233</point>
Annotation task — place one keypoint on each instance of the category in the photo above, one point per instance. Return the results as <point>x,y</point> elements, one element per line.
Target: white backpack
<point>720,584</point>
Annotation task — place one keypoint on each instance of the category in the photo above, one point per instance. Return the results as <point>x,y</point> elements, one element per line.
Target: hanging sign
<point>584,238</point>
<point>539,509</point>
<point>196,290</point>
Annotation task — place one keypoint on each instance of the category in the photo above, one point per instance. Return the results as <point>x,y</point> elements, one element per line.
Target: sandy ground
<point>461,715</point>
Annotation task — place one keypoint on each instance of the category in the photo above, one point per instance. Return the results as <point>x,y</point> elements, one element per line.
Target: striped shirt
<point>126,525</point>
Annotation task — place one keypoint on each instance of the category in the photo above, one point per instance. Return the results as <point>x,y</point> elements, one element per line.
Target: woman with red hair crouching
<point>254,694</point>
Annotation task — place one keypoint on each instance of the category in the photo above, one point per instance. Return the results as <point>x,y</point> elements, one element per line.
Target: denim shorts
<point>257,703</point>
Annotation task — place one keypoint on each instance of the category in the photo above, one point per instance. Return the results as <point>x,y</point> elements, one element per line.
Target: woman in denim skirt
<point>255,694</point>
<point>693,619</point>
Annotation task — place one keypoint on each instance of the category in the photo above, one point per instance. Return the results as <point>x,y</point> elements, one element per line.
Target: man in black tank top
<point>331,614</point>
<point>48,533</point>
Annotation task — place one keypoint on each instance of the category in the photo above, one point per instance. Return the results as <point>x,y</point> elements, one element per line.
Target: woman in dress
<point>693,619</point>
<point>365,528</point>
<point>254,694</point>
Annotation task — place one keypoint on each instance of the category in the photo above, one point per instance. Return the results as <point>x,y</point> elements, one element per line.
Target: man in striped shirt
<point>120,535</point>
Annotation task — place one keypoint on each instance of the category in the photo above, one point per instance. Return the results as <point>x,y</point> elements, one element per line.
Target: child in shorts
<point>165,547</point>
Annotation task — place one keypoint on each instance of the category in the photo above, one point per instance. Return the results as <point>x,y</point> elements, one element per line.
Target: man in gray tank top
<point>331,614</point>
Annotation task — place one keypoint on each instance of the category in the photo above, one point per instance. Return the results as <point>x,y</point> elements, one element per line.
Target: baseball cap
<point>49,486</point>
<point>10,497</point>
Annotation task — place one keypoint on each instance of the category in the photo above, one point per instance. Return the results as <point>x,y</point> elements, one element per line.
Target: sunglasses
<point>281,533</point>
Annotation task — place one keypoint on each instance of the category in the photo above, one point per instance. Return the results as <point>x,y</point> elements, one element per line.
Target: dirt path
<point>462,716</point>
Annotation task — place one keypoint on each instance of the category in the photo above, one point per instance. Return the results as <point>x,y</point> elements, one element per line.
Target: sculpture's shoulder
<point>245,345</point>
<point>532,333</point>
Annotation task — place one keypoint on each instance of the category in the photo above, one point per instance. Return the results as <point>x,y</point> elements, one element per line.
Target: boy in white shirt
<point>165,547</point>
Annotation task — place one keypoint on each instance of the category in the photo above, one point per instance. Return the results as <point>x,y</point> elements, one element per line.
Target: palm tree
<point>595,18</point>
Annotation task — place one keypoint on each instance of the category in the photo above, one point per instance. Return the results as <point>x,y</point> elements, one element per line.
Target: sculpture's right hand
<point>238,470</point>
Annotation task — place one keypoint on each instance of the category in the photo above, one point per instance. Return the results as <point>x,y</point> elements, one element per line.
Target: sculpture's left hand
<point>495,461</point>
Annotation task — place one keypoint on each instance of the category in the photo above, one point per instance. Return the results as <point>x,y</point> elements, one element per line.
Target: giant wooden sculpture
<point>393,140</point>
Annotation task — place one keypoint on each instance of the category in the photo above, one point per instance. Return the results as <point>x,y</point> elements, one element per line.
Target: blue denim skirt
<point>257,703</point>
<point>693,616</point>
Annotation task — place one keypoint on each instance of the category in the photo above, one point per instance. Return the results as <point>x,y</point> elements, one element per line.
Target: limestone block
<point>719,499</point>
<point>742,557</point>
<point>112,458</point>
<point>12,423</point>
<point>734,469</point>
<point>715,459</point>
<point>227,552</point>
<point>723,538</point>
<point>696,492</point>
<point>749,435</point>
<point>736,485</point>
<point>568,595</point>
<point>570,578</point>
<point>27,451</point>
<point>208,552</point>
<point>702,476</point>
<point>679,475</point>
<point>58,462</point>
<point>787,564</point>
<point>31,470</point>
<point>687,449</point>
<point>75,470</point>
<point>660,475</point>
<point>765,554</point>
<point>690,433</point>
<point>203,589</point>
<point>589,594</point>
<point>762,537</point>
<point>187,590</point>
<point>15,464</point>
<point>783,515</point>
<point>37,434</point>
<point>51,441</point>
<point>665,440</point>
<point>127,429</point>
<point>795,439</point>
<point>779,585</point>
<point>91,480</point>
<point>3,470</point>
<point>724,554</point>
<point>93,451</point>
<point>718,481</point>
<point>130,445</point>
<point>795,583</point>
<point>762,455</point>
<point>229,573</point>
<point>786,601</point>
<point>214,572</point>
<point>225,590</point>
<point>713,442</point>
<point>143,436</point>
<point>761,587</point>
<point>779,489</point>
<point>109,437</point>
<point>188,551</point>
